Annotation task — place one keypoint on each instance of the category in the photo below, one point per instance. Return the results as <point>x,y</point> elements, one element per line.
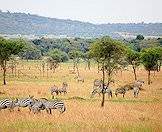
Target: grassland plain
<point>83,113</point>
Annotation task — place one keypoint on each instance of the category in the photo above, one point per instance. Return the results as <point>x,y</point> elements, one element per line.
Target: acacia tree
<point>87,58</point>
<point>56,56</point>
<point>133,59</point>
<point>159,50</point>
<point>8,48</point>
<point>149,59</point>
<point>75,55</point>
<point>109,54</point>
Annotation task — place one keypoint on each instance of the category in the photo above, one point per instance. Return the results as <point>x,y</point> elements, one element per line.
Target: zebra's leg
<point>93,93</point>
<point>10,109</point>
<point>50,111</point>
<point>111,94</point>
<point>134,94</point>
<point>30,109</point>
<point>47,110</point>
<point>18,109</point>
<point>123,95</point>
<point>61,110</point>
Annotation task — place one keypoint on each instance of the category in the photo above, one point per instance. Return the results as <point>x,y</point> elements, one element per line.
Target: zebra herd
<point>98,88</point>
<point>37,105</point>
<point>57,91</point>
<point>34,105</point>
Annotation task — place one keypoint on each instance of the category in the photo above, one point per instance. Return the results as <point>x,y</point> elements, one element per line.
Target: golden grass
<point>83,113</point>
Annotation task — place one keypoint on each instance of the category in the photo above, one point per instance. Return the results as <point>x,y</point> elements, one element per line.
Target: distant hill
<point>21,23</point>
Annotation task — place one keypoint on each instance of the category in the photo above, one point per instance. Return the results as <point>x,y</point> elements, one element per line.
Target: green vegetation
<point>133,58</point>
<point>150,59</point>
<point>109,54</point>
<point>8,48</point>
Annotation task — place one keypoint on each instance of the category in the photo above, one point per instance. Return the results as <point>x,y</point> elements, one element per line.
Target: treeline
<point>37,48</point>
<point>133,52</point>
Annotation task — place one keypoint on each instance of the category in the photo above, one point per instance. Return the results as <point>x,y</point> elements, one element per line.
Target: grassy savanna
<point>83,113</point>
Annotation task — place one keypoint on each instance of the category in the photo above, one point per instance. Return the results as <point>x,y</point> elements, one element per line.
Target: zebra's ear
<point>16,100</point>
<point>31,96</point>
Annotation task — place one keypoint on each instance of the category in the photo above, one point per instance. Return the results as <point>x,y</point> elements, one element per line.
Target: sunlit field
<point>82,112</point>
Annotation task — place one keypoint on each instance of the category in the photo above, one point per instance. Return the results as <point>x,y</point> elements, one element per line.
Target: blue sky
<point>95,11</point>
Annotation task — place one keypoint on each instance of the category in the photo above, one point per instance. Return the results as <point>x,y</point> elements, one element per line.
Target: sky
<point>94,11</point>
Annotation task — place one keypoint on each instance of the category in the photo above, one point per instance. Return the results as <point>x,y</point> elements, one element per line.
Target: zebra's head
<point>16,102</point>
<point>140,81</point>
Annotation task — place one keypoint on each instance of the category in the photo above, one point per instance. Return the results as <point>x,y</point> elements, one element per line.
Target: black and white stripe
<point>37,106</point>
<point>55,104</point>
<point>7,103</point>
<point>99,90</point>
<point>122,90</point>
<point>63,89</point>
<point>25,102</point>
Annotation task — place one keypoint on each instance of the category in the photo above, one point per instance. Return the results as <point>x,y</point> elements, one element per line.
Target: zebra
<point>37,106</point>
<point>137,87</point>
<point>57,90</point>
<point>7,103</point>
<point>54,104</point>
<point>64,88</point>
<point>137,83</point>
<point>136,91</point>
<point>121,90</point>
<point>53,90</point>
<point>25,102</point>
<point>96,83</point>
<point>100,90</point>
<point>79,79</point>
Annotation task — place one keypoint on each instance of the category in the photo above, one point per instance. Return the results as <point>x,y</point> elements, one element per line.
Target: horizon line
<point>28,13</point>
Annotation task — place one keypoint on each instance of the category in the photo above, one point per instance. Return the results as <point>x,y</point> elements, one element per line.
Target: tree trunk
<point>149,81</point>
<point>77,70</point>
<point>159,66</point>
<point>47,71</point>
<point>74,64</point>
<point>98,66</point>
<point>134,71</point>
<point>89,65</point>
<point>4,72</point>
<point>103,84</point>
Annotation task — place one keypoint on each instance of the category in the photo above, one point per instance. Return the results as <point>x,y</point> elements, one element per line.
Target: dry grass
<point>83,113</point>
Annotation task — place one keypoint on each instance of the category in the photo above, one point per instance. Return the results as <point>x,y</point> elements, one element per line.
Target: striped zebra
<point>137,87</point>
<point>79,79</point>
<point>63,89</point>
<point>7,103</point>
<point>100,90</point>
<point>122,90</point>
<point>37,106</point>
<point>54,90</point>
<point>137,83</point>
<point>136,91</point>
<point>25,102</point>
<point>54,104</point>
<point>97,83</point>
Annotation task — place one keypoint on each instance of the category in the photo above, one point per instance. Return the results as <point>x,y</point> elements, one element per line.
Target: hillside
<point>21,23</point>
